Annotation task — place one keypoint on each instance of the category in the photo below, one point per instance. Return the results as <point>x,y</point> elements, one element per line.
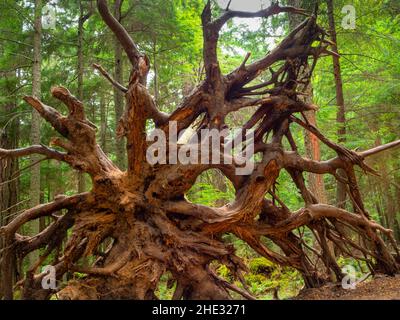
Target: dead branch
<point>36,149</point>
<point>109,78</point>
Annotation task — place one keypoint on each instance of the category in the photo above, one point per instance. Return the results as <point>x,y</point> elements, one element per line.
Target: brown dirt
<point>379,288</point>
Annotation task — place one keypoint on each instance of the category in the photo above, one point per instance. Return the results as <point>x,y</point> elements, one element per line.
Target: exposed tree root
<point>137,224</point>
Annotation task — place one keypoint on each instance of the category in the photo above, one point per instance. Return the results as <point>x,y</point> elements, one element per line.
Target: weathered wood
<point>141,214</point>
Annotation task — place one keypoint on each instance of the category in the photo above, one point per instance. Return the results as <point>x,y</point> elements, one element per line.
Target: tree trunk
<point>118,96</point>
<point>8,181</point>
<point>80,65</point>
<point>386,183</point>
<point>397,197</point>
<point>8,195</point>
<point>103,123</point>
<point>155,67</point>
<point>35,188</point>
<point>341,113</point>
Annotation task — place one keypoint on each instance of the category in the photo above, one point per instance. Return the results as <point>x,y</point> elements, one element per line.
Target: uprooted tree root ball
<point>142,214</point>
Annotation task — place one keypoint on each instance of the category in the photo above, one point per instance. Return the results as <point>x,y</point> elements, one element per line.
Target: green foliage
<point>206,194</point>
<point>261,265</point>
<point>265,277</point>
<point>166,287</point>
<point>286,281</point>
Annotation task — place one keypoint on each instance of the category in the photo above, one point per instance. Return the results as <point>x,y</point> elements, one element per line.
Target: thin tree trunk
<point>81,177</point>
<point>118,96</point>
<point>341,112</point>
<point>34,192</point>
<point>9,136</point>
<point>8,167</point>
<point>8,195</point>
<point>397,197</point>
<point>103,123</point>
<point>155,67</point>
<point>313,151</point>
<point>389,205</point>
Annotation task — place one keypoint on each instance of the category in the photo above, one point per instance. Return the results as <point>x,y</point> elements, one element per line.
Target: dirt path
<point>379,288</point>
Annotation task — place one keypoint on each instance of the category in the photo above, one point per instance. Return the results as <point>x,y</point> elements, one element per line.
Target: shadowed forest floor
<point>379,288</point>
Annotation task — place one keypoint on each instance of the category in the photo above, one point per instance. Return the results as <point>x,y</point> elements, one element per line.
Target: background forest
<point>35,57</point>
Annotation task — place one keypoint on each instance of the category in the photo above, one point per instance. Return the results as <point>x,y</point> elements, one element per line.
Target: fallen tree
<point>142,213</point>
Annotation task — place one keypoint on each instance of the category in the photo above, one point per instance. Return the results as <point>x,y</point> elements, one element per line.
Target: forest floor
<point>379,288</point>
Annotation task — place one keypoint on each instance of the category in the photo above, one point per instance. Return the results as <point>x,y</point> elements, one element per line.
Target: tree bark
<point>81,68</point>
<point>103,123</point>
<point>386,183</point>
<point>397,197</point>
<point>8,194</point>
<point>341,112</point>
<point>118,95</point>
<point>35,187</point>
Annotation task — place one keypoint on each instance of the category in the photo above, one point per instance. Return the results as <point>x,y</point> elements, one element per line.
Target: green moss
<point>224,272</point>
<point>17,295</point>
<point>261,265</point>
<point>166,287</point>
